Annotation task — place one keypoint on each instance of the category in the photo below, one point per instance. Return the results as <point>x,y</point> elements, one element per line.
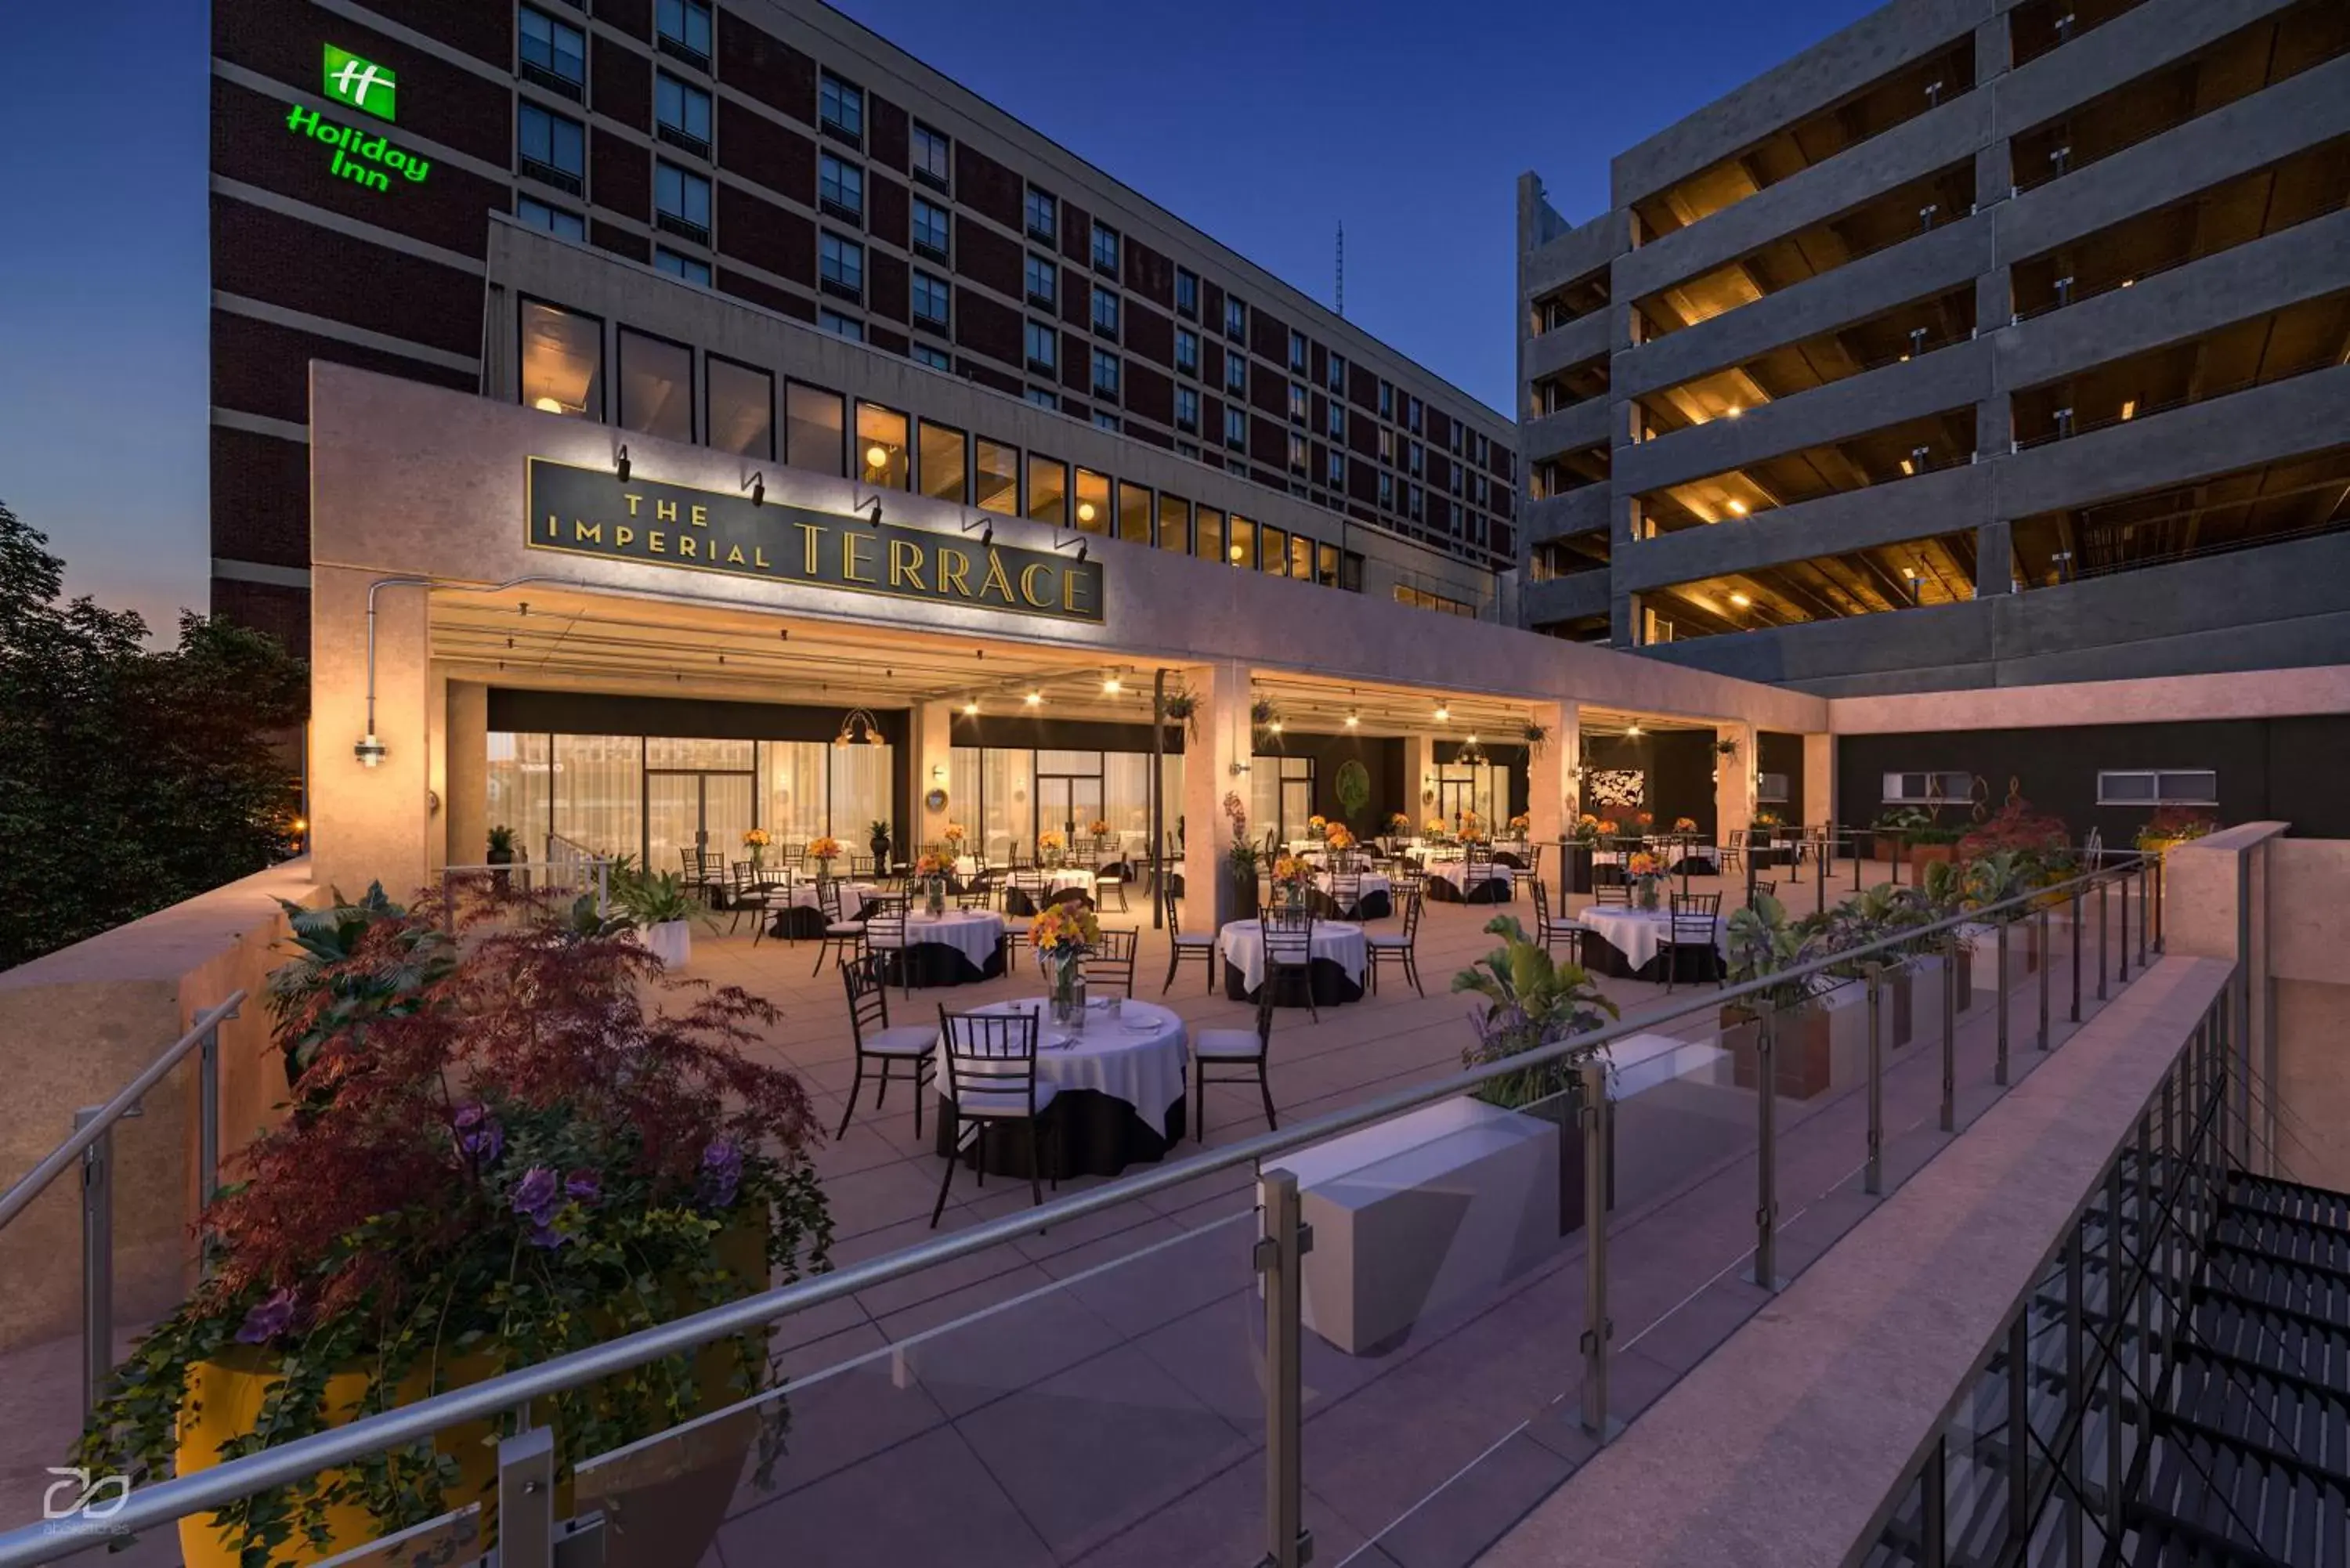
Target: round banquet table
<point>961,947</point>
<point>1632,942</point>
<point>1374,893</point>
<point>1341,957</point>
<point>1061,880</point>
<point>802,916</point>
<point>1118,1092</point>
<point>1448,879</point>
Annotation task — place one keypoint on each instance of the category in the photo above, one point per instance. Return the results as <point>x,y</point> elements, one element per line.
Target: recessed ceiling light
<point>1353,720</point>
<point>1738,509</point>
<point>1033,698</point>
<point>1275,726</point>
<point>1472,740</point>
<point>1740,600</point>
<point>1443,714</point>
<point>1732,412</point>
<point>1634,728</point>
<point>970,710</point>
<point>1111,688</point>
<point>1084,510</point>
<point>548,406</point>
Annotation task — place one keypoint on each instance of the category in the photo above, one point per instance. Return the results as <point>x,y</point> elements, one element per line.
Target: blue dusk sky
<point>1266,125</point>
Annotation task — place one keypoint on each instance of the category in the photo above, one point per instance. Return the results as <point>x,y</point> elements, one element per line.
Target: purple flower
<point>537,1195</point>
<point>547,1236</point>
<point>478,1133</point>
<point>585,1186</point>
<point>269,1320</point>
<point>722,1172</point>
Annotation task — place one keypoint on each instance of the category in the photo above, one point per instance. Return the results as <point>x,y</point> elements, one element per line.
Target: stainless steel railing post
<point>1873,1182</point>
<point>2102,955</point>
<point>1598,1129</point>
<point>2076,955</point>
<point>97,1258</point>
<point>1280,1249</point>
<point>2144,897</point>
<point>2122,951</point>
<point>1949,1117</point>
<point>2047,961</point>
<point>1999,1068</point>
<point>1766,1149</point>
<point>527,1499</point>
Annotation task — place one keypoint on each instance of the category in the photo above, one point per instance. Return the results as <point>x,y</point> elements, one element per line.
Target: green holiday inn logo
<point>365,86</point>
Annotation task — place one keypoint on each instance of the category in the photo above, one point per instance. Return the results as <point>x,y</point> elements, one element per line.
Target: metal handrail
<point>210,1489</point>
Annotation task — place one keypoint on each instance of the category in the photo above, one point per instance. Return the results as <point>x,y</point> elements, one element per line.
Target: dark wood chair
<point>1691,925</point>
<point>866,980</point>
<point>1182,946</point>
<point>1550,930</point>
<point>1399,948</point>
<point>1112,963</point>
<point>1289,951</point>
<point>1243,1056</point>
<point>751,894</point>
<point>842,936</point>
<point>992,1078</point>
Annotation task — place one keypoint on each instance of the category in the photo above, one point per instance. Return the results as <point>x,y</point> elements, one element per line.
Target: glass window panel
<point>792,775</point>
<point>520,781</point>
<point>1325,565</point>
<point>741,408</point>
<point>964,803</point>
<point>1208,538</point>
<point>690,752</point>
<point>1277,552</point>
<point>813,430</point>
<point>1134,511</point>
<point>881,446</point>
<point>1241,550</point>
<point>995,467</point>
<point>599,783</point>
<point>861,793</point>
<point>562,361</point>
<point>942,464</point>
<point>1264,796</point>
<point>1007,784</point>
<point>1126,798</point>
<point>2191,788</point>
<point>1301,558</point>
<point>1174,523</point>
<point>1048,490</point>
<point>1093,500</point>
<point>656,386</point>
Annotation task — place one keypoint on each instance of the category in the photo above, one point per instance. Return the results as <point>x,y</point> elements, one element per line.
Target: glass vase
<point>936,900</point>
<point>1646,892</point>
<point>1069,993</point>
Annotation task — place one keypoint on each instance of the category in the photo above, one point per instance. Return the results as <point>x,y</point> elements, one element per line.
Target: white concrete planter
<point>671,942</point>
<point>1411,1215</point>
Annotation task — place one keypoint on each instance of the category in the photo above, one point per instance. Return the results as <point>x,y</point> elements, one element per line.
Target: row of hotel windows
<point>552,149</point>
<point>561,373</point>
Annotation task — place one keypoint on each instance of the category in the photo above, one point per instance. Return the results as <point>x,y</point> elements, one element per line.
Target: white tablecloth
<point>1640,934</point>
<point>1457,873</point>
<point>974,933</point>
<point>1340,941</point>
<point>1144,1065</point>
<point>1367,883</point>
<point>852,897</point>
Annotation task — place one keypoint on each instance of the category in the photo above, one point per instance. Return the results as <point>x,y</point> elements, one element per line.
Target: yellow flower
<point>1064,927</point>
<point>1051,838</point>
<point>756,839</point>
<point>954,833</point>
<point>1644,865</point>
<point>1339,837</point>
<point>1100,826</point>
<point>827,849</point>
<point>1684,825</point>
<point>1435,824</point>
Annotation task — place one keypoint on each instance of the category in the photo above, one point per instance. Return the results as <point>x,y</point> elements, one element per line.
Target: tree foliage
<point>130,777</point>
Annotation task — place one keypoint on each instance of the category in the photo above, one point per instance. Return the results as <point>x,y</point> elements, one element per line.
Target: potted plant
<point>1353,786</point>
<point>501,854</point>
<point>876,839</point>
<point>1761,944</point>
<point>1536,737</point>
<point>1240,861</point>
<point>331,990</point>
<point>1181,706</point>
<point>2172,826</point>
<point>535,1157</point>
<point>1264,717</point>
<point>658,905</point>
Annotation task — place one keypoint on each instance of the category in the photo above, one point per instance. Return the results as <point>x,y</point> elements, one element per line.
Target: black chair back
<point>868,985</point>
<point>990,1053</point>
<point>1612,895</point>
<point>1112,960</point>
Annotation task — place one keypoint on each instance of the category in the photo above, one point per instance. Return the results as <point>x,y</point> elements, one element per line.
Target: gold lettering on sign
<point>1070,592</point>
<point>554,527</point>
<point>1028,576</point>
<point>759,557</point>
<point>685,545</point>
<point>734,557</point>
<point>633,501</point>
<point>850,560</point>
<point>586,533</point>
<point>623,536</point>
<point>995,582</point>
<point>814,532</point>
<point>699,516</point>
<point>906,565</point>
<point>664,511</point>
<point>657,541</point>
<point>954,571</point>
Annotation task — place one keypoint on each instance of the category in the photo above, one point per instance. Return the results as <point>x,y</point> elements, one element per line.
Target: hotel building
<point>1981,343</point>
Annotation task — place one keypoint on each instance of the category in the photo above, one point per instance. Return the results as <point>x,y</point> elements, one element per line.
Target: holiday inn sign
<point>365,158</point>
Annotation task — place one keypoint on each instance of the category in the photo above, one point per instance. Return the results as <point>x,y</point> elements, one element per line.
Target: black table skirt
<point>1494,890</point>
<point>1333,986</point>
<point>936,964</point>
<point>1374,907</point>
<point>1082,1133</point>
<point>1691,964</point>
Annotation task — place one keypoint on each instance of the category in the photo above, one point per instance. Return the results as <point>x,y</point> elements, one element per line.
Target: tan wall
<point>82,1022</point>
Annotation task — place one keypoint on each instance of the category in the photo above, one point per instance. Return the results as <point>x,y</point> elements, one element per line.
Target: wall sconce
<point>757,485</point>
<point>369,750</point>
<point>1240,767</point>
<point>1079,540</point>
<point>871,506</point>
<point>620,462</point>
<point>986,526</point>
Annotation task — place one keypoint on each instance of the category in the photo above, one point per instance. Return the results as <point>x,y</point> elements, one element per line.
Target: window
<point>1413,458</point>
<point>840,264</point>
<point>1387,401</point>
<point>840,188</point>
<point>554,54</point>
<point>1105,374</point>
<point>1297,403</point>
<point>1235,318</point>
<point>840,109</point>
<point>1186,351</point>
<point>1093,502</point>
<point>1338,421</point>
<point>1413,506</point>
<point>1187,292</point>
<point>1104,311</point>
<point>815,429</point>
<point>1236,375</point>
<point>1105,249</point>
<point>1208,534</point>
<point>1770,789</point>
<point>929,228</point>
<point>2164,787</point>
<point>1296,453</point>
<point>881,446</point>
<point>1044,398</point>
<point>562,224</point>
<point>1335,471</point>
<point>682,201</point>
<point>1274,547</point>
<point>1337,380</point>
<point>1235,429</point>
<point>936,358</point>
<point>1456,438</point>
<point>1241,551</point>
<point>552,149</point>
<point>1187,409</point>
<point>995,469</point>
<point>1924,789</point>
<point>931,150</point>
<point>929,301</point>
<point>1043,279</point>
<point>1411,414</point>
<point>1297,353</point>
<point>1048,490</point>
<point>1386,446</point>
<point>681,114</point>
<point>683,28</point>
<point>1042,340</point>
<point>694,269</point>
<point>656,386</point>
<point>840,326</point>
<point>742,403</point>
<point>1386,491</point>
<point>1133,513</point>
<point>942,450</point>
<point>1041,211</point>
<point>562,361</point>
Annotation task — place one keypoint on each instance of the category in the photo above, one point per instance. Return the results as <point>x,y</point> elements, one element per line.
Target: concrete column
<point>931,726</point>
<point>1994,425</point>
<point>436,709</point>
<point>1546,782</point>
<point>1819,780</point>
<point>1994,301</point>
<point>1420,778</point>
<point>465,798</point>
<point>1734,780</point>
<point>368,824</point>
<point>1624,620</point>
<point>1223,744</point>
<point>1994,558</point>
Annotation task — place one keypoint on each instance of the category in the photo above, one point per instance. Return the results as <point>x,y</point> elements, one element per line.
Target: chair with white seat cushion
<point>847,936</point>
<point>884,935</point>
<point>866,980</point>
<point>1550,930</point>
<point>992,1078</point>
<point>1182,946</point>
<point>1398,948</point>
<point>1243,1053</point>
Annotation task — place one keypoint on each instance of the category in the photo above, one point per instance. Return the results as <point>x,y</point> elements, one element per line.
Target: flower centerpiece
<point>1317,827</point>
<point>1100,828</point>
<point>1400,823</point>
<point>1292,875</point>
<point>1685,825</point>
<point>1767,818</point>
<point>505,1160</point>
<point>1586,829</point>
<point>1609,827</point>
<point>1644,820</point>
<point>824,851</point>
<point>755,840</point>
<point>1338,836</point>
<point>930,870</point>
<point>1521,823</point>
<point>953,837</point>
<point>1646,870</point>
<point>1063,936</point>
<point>1050,845</point>
<point>1436,830</point>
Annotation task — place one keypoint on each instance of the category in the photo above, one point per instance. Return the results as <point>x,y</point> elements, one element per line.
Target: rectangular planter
<point>1803,1052</point>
